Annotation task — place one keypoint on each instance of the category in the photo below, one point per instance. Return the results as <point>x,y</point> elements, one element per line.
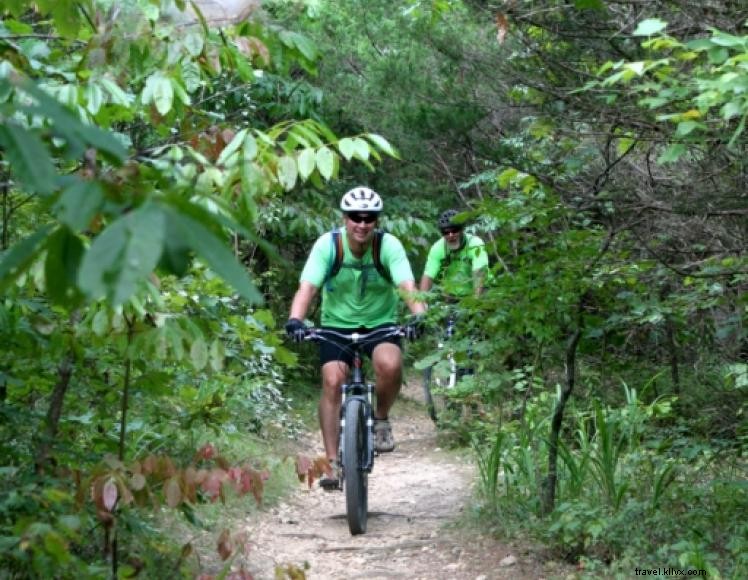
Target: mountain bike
<point>356,440</point>
<point>443,378</point>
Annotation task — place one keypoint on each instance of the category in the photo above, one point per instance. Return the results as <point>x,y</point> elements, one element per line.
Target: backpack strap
<point>336,256</point>
<point>376,254</point>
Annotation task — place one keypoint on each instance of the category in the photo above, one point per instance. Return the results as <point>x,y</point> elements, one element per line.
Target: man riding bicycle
<point>458,260</point>
<point>357,297</point>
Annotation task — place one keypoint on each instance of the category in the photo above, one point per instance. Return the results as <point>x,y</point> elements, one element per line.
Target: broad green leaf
<point>94,96</point>
<point>20,255</point>
<point>64,253</point>
<point>119,97</point>
<point>79,203</point>
<point>100,323</point>
<point>325,162</point>
<point>28,157</point>
<point>649,27</point>
<point>199,354</point>
<point>123,255</point>
<point>686,127</point>
<point>347,148</point>
<point>306,163</point>
<point>725,39</point>
<point>672,153</point>
<point>731,109</point>
<point>362,148</point>
<point>67,125</point>
<point>217,355</point>
<point>382,144</point>
<point>158,90</point>
<point>194,43</point>
<point>213,250</point>
<point>180,92</point>
<point>287,172</point>
<point>232,147</point>
<point>191,76</point>
<point>250,148</point>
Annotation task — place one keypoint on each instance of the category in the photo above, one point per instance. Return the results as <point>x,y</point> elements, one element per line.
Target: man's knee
<point>387,360</point>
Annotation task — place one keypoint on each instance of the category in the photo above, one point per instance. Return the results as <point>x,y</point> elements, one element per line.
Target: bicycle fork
<point>364,394</point>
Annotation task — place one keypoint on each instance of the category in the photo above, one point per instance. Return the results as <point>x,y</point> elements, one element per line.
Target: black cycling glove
<point>295,330</point>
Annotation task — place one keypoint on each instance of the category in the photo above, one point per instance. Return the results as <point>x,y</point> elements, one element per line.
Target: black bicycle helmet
<point>446,220</point>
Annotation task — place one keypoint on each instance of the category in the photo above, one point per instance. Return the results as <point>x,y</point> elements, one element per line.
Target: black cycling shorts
<point>341,350</point>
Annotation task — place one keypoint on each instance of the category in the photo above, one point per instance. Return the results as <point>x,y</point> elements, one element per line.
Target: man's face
<point>360,226</point>
<point>453,237</point>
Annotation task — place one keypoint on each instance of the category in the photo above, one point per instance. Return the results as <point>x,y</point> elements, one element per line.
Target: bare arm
<point>478,277</point>
<point>407,291</point>
<point>302,299</point>
<point>426,283</point>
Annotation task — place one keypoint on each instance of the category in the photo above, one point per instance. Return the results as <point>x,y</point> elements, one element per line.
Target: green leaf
<point>325,162</point>
<point>123,255</point>
<point>382,144</point>
<point>29,159</point>
<point>217,355</point>
<point>20,255</point>
<point>94,96</point>
<point>79,203</point>
<point>100,323</point>
<point>589,4</point>
<point>232,147</point>
<point>158,90</point>
<point>287,172</point>
<point>649,27</point>
<point>730,110</point>
<point>250,148</point>
<point>212,249</point>
<point>362,149</point>
<point>199,354</point>
<point>686,127</point>
<point>64,253</point>
<point>194,43</point>
<point>672,153</point>
<point>191,76</point>
<point>347,148</point>
<point>306,163</point>
<point>68,126</point>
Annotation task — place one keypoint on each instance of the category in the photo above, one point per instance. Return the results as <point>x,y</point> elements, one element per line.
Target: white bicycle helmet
<point>361,199</point>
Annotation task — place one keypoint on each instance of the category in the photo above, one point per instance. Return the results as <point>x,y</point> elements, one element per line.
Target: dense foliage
<point>161,181</point>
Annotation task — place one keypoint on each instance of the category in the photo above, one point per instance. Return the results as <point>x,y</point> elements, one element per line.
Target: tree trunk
<point>548,499</point>
<point>64,373</point>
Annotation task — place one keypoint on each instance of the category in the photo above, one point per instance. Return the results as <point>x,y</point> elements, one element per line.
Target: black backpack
<point>337,261</point>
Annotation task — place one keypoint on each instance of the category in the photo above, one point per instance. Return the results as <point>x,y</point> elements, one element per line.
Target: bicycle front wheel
<point>355,440</point>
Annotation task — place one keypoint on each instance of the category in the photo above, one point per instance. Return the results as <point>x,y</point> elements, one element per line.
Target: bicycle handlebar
<point>321,334</point>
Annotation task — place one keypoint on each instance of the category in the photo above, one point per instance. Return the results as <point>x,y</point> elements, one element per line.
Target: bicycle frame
<point>356,388</point>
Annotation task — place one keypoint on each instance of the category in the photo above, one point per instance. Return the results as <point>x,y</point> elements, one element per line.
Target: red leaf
<point>502,25</point>
<point>109,494</point>
<point>207,451</point>
<point>303,463</point>
<point>225,545</point>
<point>173,492</point>
<point>212,483</point>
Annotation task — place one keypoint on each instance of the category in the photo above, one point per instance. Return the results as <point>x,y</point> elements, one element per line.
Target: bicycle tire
<point>428,397</point>
<point>355,441</point>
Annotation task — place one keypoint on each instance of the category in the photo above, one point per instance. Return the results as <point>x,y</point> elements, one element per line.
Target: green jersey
<point>456,267</point>
<point>357,296</point>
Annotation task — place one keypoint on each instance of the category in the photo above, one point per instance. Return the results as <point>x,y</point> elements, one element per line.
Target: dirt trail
<point>414,494</point>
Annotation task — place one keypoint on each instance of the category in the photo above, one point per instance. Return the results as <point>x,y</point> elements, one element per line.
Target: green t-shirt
<point>358,296</point>
<point>456,267</point>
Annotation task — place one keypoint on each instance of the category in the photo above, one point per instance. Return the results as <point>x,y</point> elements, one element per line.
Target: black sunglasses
<point>447,231</point>
<point>366,218</point>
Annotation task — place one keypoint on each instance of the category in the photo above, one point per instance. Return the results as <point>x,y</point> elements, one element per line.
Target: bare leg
<point>387,360</point>
<point>333,377</point>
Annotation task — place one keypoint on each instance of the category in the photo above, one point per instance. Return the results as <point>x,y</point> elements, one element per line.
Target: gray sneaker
<point>384,442</point>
